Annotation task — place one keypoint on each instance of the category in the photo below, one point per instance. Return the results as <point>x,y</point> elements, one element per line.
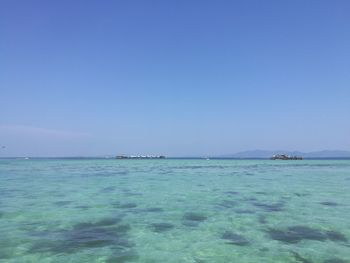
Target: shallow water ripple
<point>170,211</point>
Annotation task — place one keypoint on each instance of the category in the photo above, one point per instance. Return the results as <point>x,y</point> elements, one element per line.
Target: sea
<point>174,210</point>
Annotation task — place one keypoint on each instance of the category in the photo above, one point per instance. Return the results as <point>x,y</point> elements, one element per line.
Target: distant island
<point>285,157</point>
<point>267,154</point>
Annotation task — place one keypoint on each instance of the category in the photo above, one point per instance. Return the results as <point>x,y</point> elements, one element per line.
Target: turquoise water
<point>174,211</point>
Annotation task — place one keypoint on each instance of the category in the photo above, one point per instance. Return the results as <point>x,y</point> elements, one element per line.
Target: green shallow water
<point>174,211</point>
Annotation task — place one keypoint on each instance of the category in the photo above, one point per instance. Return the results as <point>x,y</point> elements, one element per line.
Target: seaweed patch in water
<point>161,227</point>
<point>296,234</point>
<point>336,236</point>
<point>262,219</point>
<point>235,239</point>
<point>261,193</point>
<point>329,203</point>
<point>123,256</point>
<point>301,194</point>
<point>192,219</point>
<point>299,258</point>
<point>192,216</point>
<point>125,205</point>
<point>250,199</point>
<point>87,235</point>
<point>232,193</point>
<point>275,207</point>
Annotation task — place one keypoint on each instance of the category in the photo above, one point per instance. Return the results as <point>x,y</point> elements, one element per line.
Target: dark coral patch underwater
<point>329,203</point>
<point>295,234</point>
<point>123,256</point>
<point>273,207</point>
<point>162,227</point>
<point>193,219</point>
<point>336,236</point>
<point>192,216</point>
<point>235,239</point>
<point>300,258</point>
<point>86,235</point>
<point>262,219</point>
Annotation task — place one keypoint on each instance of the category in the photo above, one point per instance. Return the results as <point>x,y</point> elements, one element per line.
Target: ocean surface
<point>198,211</point>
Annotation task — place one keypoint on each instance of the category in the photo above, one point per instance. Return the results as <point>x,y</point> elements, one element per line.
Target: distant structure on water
<point>140,157</point>
<point>285,157</point>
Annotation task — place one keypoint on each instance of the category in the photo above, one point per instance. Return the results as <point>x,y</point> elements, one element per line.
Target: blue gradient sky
<point>173,77</point>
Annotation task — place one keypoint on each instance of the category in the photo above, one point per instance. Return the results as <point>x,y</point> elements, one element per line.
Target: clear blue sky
<point>173,77</point>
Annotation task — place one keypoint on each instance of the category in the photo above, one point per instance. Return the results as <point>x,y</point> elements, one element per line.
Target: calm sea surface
<point>175,211</point>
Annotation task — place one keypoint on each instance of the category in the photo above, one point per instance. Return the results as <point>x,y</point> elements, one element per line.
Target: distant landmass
<point>268,154</point>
